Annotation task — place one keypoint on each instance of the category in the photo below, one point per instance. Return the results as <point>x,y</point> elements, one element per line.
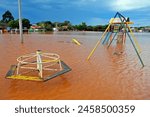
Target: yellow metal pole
<point>76,42</point>
<point>135,40</point>
<point>91,53</point>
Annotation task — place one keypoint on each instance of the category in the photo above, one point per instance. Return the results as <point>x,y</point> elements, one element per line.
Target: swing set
<point>118,27</point>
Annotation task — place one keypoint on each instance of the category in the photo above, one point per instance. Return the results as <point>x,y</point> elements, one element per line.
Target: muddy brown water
<point>113,73</point>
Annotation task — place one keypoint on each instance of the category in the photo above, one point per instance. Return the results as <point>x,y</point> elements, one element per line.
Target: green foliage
<point>26,23</point>
<point>90,28</point>
<point>140,28</point>
<point>82,26</point>
<point>8,20</point>
<point>3,25</point>
<point>66,23</point>
<point>46,25</point>
<point>13,24</point>
<point>7,17</point>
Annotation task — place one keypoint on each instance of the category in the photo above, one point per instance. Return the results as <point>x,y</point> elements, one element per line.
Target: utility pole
<point>20,21</point>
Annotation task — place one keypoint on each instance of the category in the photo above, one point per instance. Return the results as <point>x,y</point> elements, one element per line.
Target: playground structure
<point>118,29</point>
<point>37,67</point>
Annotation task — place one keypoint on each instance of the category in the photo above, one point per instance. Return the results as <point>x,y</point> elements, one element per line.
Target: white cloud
<point>123,5</point>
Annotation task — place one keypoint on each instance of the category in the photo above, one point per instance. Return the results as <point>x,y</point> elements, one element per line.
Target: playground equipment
<point>37,66</point>
<point>118,27</point>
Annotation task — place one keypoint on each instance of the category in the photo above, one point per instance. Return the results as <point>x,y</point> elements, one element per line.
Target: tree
<point>97,28</point>
<point>81,26</point>
<point>13,24</point>
<point>2,25</point>
<point>89,28</point>
<point>46,25</point>
<point>26,23</point>
<point>104,27</point>
<point>66,23</point>
<point>7,16</point>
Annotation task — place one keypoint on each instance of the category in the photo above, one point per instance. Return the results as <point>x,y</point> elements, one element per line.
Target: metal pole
<point>99,41</point>
<point>112,39</point>
<point>134,39</point>
<point>106,38</point>
<point>20,21</point>
<point>136,50</point>
<point>39,63</point>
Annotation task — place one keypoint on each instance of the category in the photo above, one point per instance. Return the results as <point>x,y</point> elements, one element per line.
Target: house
<point>35,28</point>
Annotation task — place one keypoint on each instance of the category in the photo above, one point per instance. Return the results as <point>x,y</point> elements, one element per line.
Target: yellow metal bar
<point>135,40</point>
<point>76,42</point>
<point>48,61</point>
<point>91,53</point>
<point>129,23</point>
<point>22,77</point>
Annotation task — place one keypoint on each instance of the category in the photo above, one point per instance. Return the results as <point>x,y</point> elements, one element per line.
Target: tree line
<point>9,21</point>
<point>68,26</point>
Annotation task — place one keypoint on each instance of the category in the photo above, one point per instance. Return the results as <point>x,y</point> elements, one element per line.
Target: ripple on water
<point>113,73</point>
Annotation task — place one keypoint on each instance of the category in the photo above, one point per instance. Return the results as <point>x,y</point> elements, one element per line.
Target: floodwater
<point>106,76</point>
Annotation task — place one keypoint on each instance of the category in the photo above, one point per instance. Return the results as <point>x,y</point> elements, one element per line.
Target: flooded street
<point>106,76</point>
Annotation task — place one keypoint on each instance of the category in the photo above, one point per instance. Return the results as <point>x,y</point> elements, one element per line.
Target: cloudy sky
<point>93,12</point>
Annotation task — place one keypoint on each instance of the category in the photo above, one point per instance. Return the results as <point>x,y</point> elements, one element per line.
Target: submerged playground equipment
<point>118,29</point>
<point>38,66</point>
<point>76,41</point>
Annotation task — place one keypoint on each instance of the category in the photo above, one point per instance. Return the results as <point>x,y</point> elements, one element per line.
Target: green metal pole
<point>132,42</point>
<point>136,50</point>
